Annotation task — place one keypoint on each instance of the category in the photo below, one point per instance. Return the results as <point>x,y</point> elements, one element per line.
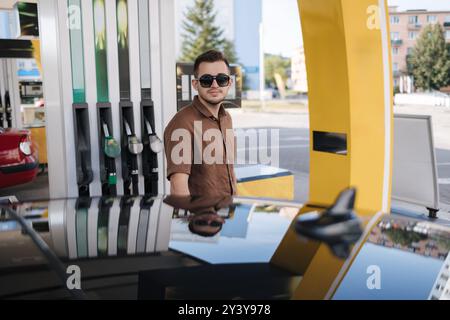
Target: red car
<point>18,158</point>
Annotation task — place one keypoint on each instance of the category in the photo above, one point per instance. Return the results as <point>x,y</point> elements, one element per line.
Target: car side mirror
<point>338,226</point>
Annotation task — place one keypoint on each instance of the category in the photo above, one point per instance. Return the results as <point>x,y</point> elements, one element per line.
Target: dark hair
<point>209,56</point>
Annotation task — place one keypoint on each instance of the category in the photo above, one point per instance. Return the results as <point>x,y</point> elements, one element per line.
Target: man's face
<point>210,223</point>
<point>215,94</point>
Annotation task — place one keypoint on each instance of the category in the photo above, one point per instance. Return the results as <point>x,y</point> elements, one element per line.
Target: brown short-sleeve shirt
<point>210,168</point>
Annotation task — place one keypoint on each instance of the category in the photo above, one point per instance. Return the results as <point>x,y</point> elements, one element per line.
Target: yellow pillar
<point>347,50</point>
<point>37,53</point>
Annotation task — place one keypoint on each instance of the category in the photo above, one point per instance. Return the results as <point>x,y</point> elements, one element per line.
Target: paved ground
<point>294,142</point>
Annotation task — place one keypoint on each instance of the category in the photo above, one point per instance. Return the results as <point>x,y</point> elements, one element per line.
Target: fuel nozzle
<point>156,144</point>
<point>134,145</point>
<point>111,147</point>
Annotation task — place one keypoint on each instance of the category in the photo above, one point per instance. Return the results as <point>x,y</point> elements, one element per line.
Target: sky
<point>282,32</point>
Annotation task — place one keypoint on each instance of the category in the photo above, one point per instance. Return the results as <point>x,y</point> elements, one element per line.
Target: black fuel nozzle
<point>152,146</point>
<point>85,174</point>
<point>126,202</point>
<point>8,110</point>
<point>130,167</point>
<point>2,111</point>
<point>111,150</point>
<point>155,143</point>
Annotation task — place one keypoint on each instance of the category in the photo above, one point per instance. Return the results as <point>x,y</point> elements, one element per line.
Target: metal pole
<point>261,66</point>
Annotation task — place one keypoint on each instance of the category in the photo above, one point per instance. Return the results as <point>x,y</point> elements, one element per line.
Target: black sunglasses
<point>207,223</point>
<point>207,80</point>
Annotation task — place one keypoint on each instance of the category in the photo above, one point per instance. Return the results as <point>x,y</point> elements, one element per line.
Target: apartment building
<point>406,27</point>
<point>299,78</point>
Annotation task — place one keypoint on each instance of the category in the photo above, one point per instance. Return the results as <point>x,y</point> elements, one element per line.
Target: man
<point>206,213</point>
<point>205,224</point>
<point>196,174</point>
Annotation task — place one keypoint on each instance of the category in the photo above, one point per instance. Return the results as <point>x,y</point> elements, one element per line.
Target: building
<point>240,22</point>
<point>405,30</point>
<point>298,71</point>
<point>441,288</point>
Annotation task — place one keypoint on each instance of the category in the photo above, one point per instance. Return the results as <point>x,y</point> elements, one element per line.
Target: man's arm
<point>179,184</point>
<point>177,173</point>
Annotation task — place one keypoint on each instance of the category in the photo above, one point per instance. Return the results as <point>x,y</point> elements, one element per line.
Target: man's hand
<point>179,184</point>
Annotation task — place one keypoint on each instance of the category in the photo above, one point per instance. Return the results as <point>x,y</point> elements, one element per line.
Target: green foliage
<point>403,237</point>
<point>429,62</point>
<point>200,33</point>
<point>444,243</point>
<point>275,64</point>
<point>396,89</point>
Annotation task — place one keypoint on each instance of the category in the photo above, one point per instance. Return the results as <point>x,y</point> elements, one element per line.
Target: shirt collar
<point>204,110</point>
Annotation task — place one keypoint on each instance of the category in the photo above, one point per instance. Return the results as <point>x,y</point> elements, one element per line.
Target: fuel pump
<point>83,154</point>
<point>110,151</point>
<point>152,143</point>
<point>80,109</point>
<point>114,94</point>
<point>81,220</point>
<point>131,146</point>
<point>104,207</point>
<point>152,146</point>
<point>147,224</point>
<point>2,111</point>
<point>122,236</point>
<point>144,218</point>
<point>8,110</point>
<point>2,106</point>
<point>109,148</point>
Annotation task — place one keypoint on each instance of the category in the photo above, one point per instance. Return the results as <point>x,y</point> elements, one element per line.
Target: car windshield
<point>412,256</point>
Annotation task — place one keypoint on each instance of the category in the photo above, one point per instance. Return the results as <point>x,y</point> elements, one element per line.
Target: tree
<point>275,64</point>
<point>429,61</point>
<point>201,33</point>
<point>403,237</point>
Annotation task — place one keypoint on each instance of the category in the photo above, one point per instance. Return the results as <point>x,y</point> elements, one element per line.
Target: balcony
<point>414,26</point>
<point>397,42</point>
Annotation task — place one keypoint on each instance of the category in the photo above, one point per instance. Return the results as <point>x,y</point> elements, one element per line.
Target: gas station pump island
<point>137,176</point>
<point>109,72</point>
<point>112,101</point>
